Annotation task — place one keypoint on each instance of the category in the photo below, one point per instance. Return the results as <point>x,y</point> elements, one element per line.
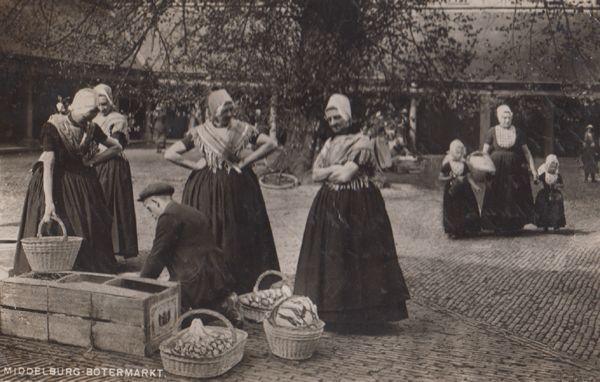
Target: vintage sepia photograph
<point>300,190</point>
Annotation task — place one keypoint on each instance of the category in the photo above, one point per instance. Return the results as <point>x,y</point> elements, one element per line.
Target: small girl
<point>454,169</point>
<point>549,203</point>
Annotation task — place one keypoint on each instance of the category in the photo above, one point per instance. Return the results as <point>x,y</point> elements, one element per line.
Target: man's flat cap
<point>154,189</point>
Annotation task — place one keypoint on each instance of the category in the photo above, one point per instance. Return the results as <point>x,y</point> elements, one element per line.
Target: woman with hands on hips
<point>224,187</point>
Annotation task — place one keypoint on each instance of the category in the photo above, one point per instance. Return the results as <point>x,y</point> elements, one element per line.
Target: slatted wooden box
<point>122,314</point>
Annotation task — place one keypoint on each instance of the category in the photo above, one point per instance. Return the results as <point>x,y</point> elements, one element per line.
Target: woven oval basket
<point>292,343</point>
<point>208,367</point>
<point>258,314</point>
<point>51,253</point>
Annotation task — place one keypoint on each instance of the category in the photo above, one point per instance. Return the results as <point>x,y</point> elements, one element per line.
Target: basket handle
<point>265,274</point>
<point>211,313</point>
<point>60,223</point>
<point>275,308</point>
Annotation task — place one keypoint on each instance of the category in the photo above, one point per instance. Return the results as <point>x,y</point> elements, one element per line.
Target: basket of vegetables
<point>256,305</point>
<point>203,351</point>
<point>293,328</point>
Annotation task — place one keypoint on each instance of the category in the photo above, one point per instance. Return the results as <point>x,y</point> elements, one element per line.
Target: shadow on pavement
<point>524,233</point>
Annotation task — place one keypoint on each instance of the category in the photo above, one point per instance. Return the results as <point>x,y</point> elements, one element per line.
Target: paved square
<point>489,308</point>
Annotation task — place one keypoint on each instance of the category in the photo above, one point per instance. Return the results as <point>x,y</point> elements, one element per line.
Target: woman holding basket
<point>510,205</point>
<point>348,264</point>
<point>64,184</point>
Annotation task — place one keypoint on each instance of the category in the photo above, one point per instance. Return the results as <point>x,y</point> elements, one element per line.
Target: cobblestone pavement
<point>430,346</point>
<point>537,291</point>
<point>543,287</point>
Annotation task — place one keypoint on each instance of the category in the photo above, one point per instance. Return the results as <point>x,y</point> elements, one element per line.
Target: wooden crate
<point>70,330</point>
<point>146,314</point>
<point>72,295</point>
<point>23,323</point>
<point>122,314</point>
<point>28,291</point>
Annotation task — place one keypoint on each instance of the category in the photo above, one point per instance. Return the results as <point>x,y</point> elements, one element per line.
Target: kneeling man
<point>185,245</point>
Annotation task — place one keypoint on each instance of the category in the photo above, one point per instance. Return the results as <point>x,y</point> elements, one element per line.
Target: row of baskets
<point>285,342</point>
<point>58,253</point>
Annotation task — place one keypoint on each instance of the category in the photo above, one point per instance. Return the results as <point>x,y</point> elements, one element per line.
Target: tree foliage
<point>303,50</point>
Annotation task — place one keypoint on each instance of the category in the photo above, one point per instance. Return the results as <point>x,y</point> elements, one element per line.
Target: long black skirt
<point>235,207</point>
<point>115,178</point>
<point>348,264</point>
<point>549,209</point>
<point>452,214</point>
<point>510,204</point>
<point>80,204</point>
<point>460,211</point>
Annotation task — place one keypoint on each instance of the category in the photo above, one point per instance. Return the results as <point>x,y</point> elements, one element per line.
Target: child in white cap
<point>453,170</point>
<point>549,202</point>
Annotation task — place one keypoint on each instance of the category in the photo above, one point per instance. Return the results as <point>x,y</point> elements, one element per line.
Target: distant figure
<point>549,203</point>
<point>160,128</point>
<point>62,107</point>
<point>470,196</point>
<point>405,133</point>
<point>588,155</point>
<point>195,117</point>
<point>454,169</point>
<point>382,150</point>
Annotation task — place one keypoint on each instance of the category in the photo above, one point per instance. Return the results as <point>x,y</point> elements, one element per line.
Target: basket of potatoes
<point>256,305</point>
<point>293,328</point>
<point>203,351</point>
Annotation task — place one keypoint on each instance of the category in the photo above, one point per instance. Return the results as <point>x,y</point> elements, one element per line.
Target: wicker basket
<point>51,253</point>
<point>203,367</point>
<point>257,314</point>
<point>293,343</point>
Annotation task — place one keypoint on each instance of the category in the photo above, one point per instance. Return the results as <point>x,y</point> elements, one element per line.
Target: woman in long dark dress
<point>224,187</point>
<point>511,204</point>
<point>64,183</point>
<point>348,263</point>
<point>549,202</point>
<point>470,195</point>
<point>115,177</point>
<point>453,170</point>
<point>588,155</point>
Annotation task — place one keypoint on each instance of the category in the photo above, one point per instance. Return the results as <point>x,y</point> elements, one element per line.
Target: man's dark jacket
<point>184,243</point>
